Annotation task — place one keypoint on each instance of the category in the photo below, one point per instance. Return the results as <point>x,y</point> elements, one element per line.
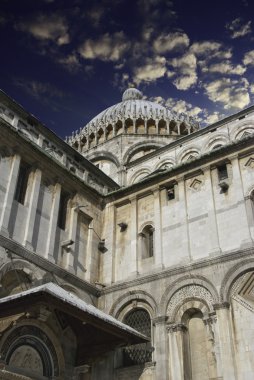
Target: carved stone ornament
<point>186,293</point>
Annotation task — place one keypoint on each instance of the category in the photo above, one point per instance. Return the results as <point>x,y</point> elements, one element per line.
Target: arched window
<point>147,242</point>
<point>196,351</point>
<point>138,319</point>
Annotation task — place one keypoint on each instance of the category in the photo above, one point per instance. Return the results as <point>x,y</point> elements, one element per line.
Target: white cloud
<point>213,117</point>
<point>252,88</point>
<point>237,28</point>
<point>106,48</point>
<point>185,69</point>
<point>171,42</point>
<point>224,68</point>
<point>249,58</point>
<point>44,27</point>
<point>205,47</point>
<point>231,93</point>
<point>181,106</point>
<point>70,62</point>
<point>153,69</point>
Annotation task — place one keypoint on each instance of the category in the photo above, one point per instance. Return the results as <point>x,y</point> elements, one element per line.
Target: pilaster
<point>9,196</point>
<point>35,178</point>
<point>226,341</point>
<point>175,344</point>
<point>53,222</point>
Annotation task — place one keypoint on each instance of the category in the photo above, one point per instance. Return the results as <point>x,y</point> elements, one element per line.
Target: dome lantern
<point>132,94</point>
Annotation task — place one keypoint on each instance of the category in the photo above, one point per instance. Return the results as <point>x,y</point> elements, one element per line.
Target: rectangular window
<point>22,182</point>
<point>222,172</point>
<point>171,193</point>
<point>62,214</point>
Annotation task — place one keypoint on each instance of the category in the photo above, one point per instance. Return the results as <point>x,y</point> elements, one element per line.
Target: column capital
<point>175,327</point>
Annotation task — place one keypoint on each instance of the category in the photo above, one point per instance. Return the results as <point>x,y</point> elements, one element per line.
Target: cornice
<point>170,272</point>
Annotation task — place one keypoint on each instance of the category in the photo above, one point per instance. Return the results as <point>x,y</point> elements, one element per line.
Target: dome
<point>133,106</point>
<point>132,109</point>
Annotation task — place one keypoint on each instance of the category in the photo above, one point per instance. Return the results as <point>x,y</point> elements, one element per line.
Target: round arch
<point>134,299</point>
<point>139,173</point>
<point>218,139</point>
<point>33,272</point>
<point>185,154</point>
<point>138,147</point>
<point>184,282</point>
<point>103,155</point>
<point>239,129</point>
<point>232,275</point>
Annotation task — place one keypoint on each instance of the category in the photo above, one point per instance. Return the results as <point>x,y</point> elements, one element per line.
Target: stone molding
<point>222,305</point>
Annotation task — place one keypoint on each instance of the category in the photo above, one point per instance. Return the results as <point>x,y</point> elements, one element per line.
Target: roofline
<point>20,109</point>
<point>210,128</point>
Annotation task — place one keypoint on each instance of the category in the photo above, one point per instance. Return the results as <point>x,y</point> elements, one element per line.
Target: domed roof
<point>133,106</point>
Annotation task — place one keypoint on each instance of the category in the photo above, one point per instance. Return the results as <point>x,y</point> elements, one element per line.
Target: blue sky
<point>65,61</point>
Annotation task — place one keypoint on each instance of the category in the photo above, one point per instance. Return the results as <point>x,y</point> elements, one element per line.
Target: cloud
<point>205,47</point>
<point>237,28</point>
<point>181,106</point>
<point>106,48</point>
<point>207,51</point>
<point>252,88</point>
<point>224,68</point>
<point>185,69</point>
<point>39,89</point>
<point>70,62</point>
<point>230,93</point>
<point>213,117</point>
<point>249,58</point>
<point>44,27</point>
<point>153,69</point>
<point>171,42</point>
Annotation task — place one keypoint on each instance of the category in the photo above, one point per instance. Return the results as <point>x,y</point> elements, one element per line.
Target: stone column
<point>145,125</point>
<point>134,126</point>
<point>167,127</point>
<point>91,249</point>
<point>210,345</point>
<point>53,222</point>
<point>9,195</point>
<point>213,227</point>
<point>226,342</point>
<point>158,254</point>
<point>161,347</point>
<point>249,206</point>
<point>157,126</point>
<point>35,178</point>
<point>175,344</point>
<point>134,235</point>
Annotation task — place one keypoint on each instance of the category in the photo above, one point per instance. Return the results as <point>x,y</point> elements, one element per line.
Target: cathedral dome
<point>134,114</point>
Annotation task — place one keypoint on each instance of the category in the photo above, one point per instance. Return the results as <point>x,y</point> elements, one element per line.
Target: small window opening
<point>22,182</point>
<point>62,214</point>
<point>171,193</point>
<point>222,172</point>
<point>147,236</point>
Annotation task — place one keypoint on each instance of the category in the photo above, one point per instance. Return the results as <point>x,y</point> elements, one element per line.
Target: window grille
<point>138,353</point>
